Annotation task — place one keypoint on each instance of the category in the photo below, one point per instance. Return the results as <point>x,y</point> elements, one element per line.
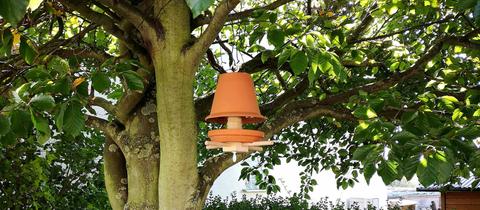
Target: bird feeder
<point>235,104</point>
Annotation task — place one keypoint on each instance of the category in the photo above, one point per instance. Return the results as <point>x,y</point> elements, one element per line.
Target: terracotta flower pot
<point>235,104</point>
<point>235,135</point>
<point>235,97</point>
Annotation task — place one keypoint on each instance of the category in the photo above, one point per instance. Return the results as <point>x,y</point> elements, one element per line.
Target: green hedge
<point>279,203</point>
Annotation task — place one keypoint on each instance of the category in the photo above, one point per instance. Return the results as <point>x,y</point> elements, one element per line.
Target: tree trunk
<point>161,162</point>
<point>178,177</point>
<point>142,182</point>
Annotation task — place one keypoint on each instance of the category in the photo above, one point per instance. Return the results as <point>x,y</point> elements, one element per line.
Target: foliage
<point>277,203</point>
<point>65,173</point>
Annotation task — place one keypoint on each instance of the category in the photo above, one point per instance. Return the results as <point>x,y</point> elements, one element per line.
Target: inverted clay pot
<point>235,97</point>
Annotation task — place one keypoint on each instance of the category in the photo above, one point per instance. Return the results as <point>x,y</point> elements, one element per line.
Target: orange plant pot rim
<point>235,135</point>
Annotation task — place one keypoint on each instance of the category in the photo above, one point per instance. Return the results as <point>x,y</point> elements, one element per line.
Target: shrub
<point>280,203</point>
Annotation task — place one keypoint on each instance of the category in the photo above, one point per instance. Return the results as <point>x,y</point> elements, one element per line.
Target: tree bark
<point>174,73</point>
<point>141,148</point>
<point>115,175</point>
<point>159,142</point>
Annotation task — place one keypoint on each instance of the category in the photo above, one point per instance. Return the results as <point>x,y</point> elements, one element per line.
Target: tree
<point>67,176</point>
<point>352,86</point>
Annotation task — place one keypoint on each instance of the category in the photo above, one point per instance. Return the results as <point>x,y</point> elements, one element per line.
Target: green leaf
<point>468,132</point>
<point>368,171</point>
<point>403,137</point>
<point>283,56</point>
<point>42,102</point>
<point>27,52</point>
<point>457,114</point>
<point>361,153</point>
<point>364,113</point>
<point>4,125</point>
<point>309,40</point>
<point>21,125</point>
<point>266,55</point>
<point>41,125</point>
<point>13,10</point>
<point>276,37</point>
<point>409,167</point>
<point>37,73</point>
<point>123,67</point>
<point>6,42</point>
<point>198,6</point>
<point>134,81</point>
<point>60,116</point>
<point>408,116</point>
<point>63,86</point>
<point>322,96</point>
<point>82,89</point>
<point>312,75</point>
<point>8,139</point>
<point>388,171</point>
<point>476,13</point>
<point>299,62</point>
<point>435,168</point>
<point>100,81</point>
<point>425,173</point>
<point>449,99</point>
<point>337,70</point>
<point>477,113</point>
<point>442,166</point>
<point>394,66</point>
<point>59,65</point>
<point>466,4</point>
<point>73,120</point>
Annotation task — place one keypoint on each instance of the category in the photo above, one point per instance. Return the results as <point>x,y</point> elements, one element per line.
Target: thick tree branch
<point>106,22</point>
<point>130,99</point>
<point>99,18</point>
<point>256,65</point>
<point>110,129</point>
<point>213,62</point>
<point>100,56</point>
<point>293,113</point>
<point>285,97</point>
<point>134,16</point>
<point>228,51</point>
<point>105,104</point>
<point>202,20</point>
<point>108,107</point>
<point>213,167</point>
<point>218,19</point>
<point>463,42</point>
<point>115,172</point>
<point>361,28</point>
